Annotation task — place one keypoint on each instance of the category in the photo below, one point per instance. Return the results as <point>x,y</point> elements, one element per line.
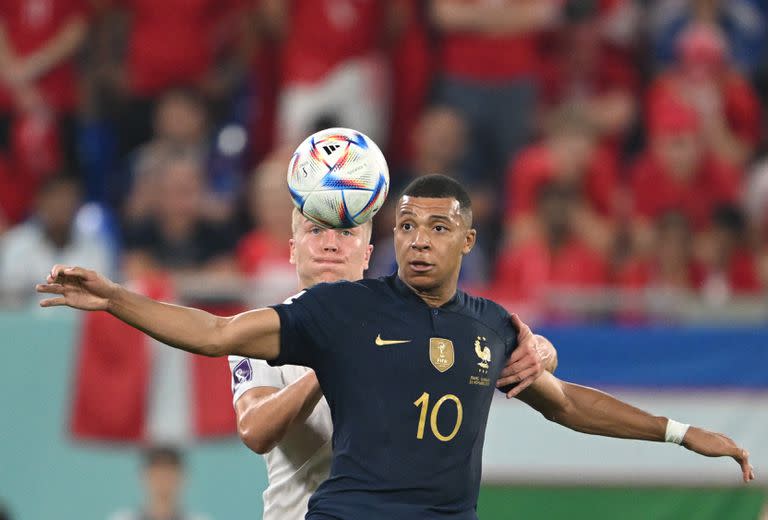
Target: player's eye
<point>315,230</point>
<point>440,228</point>
<point>346,233</point>
<point>406,226</point>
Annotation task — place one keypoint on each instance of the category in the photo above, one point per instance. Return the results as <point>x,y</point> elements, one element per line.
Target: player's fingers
<point>517,367</point>
<point>57,270</point>
<point>53,302</point>
<point>523,330</point>
<point>517,378</point>
<point>50,288</point>
<point>77,272</point>
<point>519,388</point>
<point>741,456</point>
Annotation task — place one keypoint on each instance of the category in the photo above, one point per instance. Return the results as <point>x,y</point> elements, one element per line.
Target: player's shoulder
<point>344,288</point>
<point>485,310</point>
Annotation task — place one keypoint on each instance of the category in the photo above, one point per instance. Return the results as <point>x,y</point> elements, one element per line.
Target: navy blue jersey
<point>409,387</point>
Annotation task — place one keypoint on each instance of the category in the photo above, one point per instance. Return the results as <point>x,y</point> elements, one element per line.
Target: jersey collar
<point>403,289</point>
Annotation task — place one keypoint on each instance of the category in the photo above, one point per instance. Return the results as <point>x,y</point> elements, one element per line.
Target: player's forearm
<point>184,328</point>
<point>62,46</point>
<point>598,413</point>
<point>263,422</point>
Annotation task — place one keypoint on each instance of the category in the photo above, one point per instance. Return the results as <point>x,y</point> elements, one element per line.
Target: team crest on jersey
<point>483,352</point>
<point>441,353</point>
<point>242,372</point>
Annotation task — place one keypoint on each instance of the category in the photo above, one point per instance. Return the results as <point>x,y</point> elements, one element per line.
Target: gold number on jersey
<point>423,402</point>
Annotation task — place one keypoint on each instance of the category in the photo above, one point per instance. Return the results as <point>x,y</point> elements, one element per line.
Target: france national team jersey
<point>409,387</point>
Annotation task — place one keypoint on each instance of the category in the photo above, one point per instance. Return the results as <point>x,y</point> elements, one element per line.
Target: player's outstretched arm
<point>253,334</point>
<point>594,412</point>
<point>265,414</point>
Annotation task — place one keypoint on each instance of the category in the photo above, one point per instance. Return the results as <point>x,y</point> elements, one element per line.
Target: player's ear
<point>367,258</point>
<point>469,241</point>
<point>292,248</point>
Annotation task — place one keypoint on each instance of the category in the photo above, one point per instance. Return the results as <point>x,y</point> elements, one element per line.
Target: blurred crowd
<point>611,146</point>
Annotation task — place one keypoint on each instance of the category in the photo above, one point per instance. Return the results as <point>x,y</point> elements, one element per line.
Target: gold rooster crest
<point>484,353</point>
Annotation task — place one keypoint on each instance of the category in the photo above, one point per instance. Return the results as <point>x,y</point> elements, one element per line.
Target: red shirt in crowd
<point>256,249</point>
<point>322,34</point>
<point>614,71</point>
<point>740,274</point>
<point>527,271</point>
<point>535,167</point>
<point>411,65</point>
<point>639,274</point>
<point>740,103</point>
<point>480,57</point>
<point>29,25</point>
<point>655,191</point>
<point>172,42</point>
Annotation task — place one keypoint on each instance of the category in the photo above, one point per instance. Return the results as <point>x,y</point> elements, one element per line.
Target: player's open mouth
<point>420,266</point>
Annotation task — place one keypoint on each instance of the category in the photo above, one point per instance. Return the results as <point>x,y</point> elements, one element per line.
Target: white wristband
<point>675,431</point>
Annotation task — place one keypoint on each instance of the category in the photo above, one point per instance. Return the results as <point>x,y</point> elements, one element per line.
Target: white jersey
<point>302,459</point>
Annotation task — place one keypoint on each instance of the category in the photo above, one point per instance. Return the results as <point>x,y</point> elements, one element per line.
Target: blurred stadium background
<point>616,151</point>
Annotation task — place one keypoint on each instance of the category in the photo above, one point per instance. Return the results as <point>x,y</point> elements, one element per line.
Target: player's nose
<point>330,242</point>
<point>420,241</point>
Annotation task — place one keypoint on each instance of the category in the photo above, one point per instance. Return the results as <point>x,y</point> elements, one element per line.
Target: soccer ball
<point>338,178</point>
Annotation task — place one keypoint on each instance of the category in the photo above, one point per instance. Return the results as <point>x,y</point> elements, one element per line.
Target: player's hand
<point>78,288</point>
<point>526,362</point>
<point>711,444</point>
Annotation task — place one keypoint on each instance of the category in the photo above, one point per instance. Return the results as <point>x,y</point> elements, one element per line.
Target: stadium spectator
<point>588,66</point>
<point>672,266</point>
<point>332,64</point>
<point>742,22</point>
<point>38,85</point>
<point>163,478</point>
<point>263,253</point>
<point>731,265</point>
<point>50,235</point>
<point>174,43</point>
<point>412,66</point>
<point>569,157</point>
<point>180,128</point>
<point>177,235</point>
<point>675,166</point>
<point>728,107</point>
<point>15,204</point>
<point>554,257</point>
<point>489,62</point>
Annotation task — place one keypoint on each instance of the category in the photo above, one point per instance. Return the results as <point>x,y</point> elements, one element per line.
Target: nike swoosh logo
<point>384,342</point>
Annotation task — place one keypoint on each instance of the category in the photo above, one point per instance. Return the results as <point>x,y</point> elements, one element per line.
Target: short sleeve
<point>299,330</point>
<point>509,333</point>
<point>250,373</point>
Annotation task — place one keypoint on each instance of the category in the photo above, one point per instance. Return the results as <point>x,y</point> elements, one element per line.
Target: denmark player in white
<point>281,411</point>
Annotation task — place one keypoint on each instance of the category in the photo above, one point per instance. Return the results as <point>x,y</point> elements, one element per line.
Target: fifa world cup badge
<point>441,353</point>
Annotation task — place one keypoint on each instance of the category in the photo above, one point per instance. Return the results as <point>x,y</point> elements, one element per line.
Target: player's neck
<point>437,296</point>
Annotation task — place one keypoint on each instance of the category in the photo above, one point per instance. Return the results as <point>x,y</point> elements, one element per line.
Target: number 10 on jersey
<point>423,403</point>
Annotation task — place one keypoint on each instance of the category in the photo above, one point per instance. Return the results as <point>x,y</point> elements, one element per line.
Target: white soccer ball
<point>338,178</point>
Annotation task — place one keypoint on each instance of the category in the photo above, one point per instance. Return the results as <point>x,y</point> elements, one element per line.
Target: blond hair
<point>297,219</point>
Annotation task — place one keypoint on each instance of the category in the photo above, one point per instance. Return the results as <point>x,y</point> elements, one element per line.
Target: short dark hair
<point>439,187</point>
<point>163,454</point>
